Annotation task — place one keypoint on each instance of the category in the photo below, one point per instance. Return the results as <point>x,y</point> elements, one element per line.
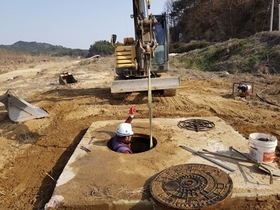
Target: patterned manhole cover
<point>191,186</point>
<point>196,125</point>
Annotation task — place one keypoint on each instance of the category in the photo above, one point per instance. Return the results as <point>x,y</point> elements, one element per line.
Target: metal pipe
<point>226,156</point>
<point>150,99</point>
<point>144,8</point>
<point>207,158</point>
<point>271,17</point>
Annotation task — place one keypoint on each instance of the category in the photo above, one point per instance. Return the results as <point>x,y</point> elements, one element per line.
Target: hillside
<point>218,21</point>
<point>36,48</point>
<point>256,54</point>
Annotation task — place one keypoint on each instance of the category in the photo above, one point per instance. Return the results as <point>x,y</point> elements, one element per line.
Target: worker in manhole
<point>121,141</point>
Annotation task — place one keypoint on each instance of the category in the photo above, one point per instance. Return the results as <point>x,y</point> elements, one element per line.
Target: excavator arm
<point>144,26</point>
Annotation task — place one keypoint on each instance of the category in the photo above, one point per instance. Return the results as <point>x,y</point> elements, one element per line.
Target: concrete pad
<point>103,179</point>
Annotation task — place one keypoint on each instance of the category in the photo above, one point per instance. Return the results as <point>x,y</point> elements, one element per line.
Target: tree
<point>217,20</point>
<point>101,48</point>
<point>169,10</point>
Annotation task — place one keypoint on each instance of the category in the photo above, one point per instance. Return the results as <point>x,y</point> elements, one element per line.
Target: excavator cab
<point>160,63</point>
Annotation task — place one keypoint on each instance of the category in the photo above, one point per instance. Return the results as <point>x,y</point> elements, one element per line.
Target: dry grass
<point>12,60</point>
<point>258,54</point>
<point>8,56</point>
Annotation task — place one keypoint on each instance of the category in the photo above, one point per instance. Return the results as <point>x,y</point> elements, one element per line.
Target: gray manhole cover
<point>191,186</point>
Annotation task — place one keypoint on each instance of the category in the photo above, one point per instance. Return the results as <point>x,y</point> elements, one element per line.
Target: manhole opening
<point>139,143</point>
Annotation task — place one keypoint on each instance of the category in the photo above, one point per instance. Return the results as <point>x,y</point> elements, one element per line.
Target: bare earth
<point>34,153</point>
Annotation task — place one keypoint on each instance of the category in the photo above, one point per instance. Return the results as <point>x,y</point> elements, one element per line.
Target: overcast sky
<point>69,23</point>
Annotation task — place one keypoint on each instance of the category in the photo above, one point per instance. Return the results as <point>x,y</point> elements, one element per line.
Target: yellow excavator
<point>145,55</point>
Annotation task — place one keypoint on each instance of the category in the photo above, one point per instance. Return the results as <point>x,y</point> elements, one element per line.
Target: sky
<point>68,23</point>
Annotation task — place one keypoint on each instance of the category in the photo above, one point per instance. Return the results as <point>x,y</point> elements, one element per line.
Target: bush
<point>101,48</point>
<point>186,47</point>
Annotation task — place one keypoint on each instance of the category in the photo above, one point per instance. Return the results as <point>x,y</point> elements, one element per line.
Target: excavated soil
<point>34,153</point>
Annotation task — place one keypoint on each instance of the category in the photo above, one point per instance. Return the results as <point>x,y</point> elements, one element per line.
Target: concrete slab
<point>103,179</point>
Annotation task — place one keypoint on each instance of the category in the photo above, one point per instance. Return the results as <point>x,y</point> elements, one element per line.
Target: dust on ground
<point>34,153</point>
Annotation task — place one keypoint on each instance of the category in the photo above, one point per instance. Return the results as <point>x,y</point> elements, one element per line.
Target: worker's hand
<point>132,110</point>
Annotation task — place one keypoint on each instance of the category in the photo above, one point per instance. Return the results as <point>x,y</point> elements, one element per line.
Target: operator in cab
<point>122,140</point>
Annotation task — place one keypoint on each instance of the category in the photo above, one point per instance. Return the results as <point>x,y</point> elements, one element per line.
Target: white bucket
<point>262,147</point>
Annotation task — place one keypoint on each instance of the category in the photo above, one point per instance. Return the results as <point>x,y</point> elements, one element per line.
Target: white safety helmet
<point>124,129</point>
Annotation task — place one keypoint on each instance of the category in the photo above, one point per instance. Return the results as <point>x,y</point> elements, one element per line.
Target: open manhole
<point>139,143</point>
<point>191,187</point>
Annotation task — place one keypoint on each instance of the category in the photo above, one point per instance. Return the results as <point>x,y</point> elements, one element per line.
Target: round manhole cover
<point>196,125</point>
<point>191,186</point>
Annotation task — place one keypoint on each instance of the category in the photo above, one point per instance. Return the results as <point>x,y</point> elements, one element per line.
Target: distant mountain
<point>36,48</point>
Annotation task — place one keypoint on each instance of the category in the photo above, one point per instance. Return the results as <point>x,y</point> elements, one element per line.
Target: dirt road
<point>34,153</point>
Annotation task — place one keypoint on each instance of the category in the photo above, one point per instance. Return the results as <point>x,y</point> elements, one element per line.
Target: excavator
<point>145,55</point>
